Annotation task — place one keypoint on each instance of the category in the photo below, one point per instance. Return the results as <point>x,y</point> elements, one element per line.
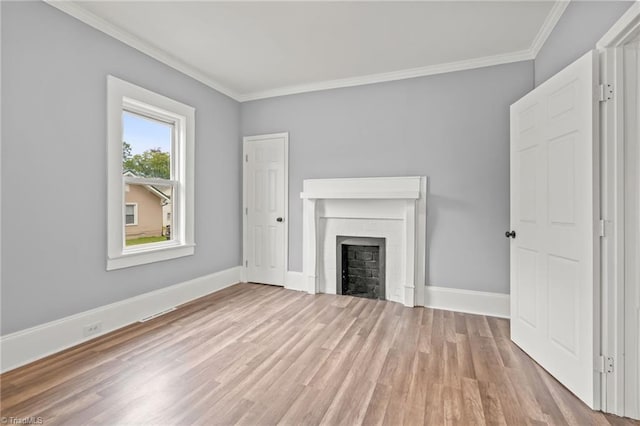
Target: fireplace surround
<point>392,208</point>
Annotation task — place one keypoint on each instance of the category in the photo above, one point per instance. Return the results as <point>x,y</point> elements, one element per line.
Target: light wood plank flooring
<point>261,355</point>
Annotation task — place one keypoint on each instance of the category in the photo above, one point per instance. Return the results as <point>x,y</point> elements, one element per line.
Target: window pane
<point>153,223</point>
<point>146,146</point>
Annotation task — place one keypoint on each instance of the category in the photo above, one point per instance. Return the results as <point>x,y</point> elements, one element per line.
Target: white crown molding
<point>80,13</point>
<point>619,33</point>
<point>485,61</point>
<point>163,56</point>
<point>548,25</point>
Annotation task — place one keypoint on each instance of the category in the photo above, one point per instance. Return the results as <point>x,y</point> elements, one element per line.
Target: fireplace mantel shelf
<point>329,195</point>
<point>374,188</point>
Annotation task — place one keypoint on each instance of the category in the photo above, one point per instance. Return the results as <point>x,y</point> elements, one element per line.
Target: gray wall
<point>54,72</point>
<point>582,24</point>
<point>453,128</point>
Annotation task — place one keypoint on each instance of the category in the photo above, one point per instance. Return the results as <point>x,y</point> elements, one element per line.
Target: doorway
<point>621,216</point>
<point>265,208</point>
<point>631,53</point>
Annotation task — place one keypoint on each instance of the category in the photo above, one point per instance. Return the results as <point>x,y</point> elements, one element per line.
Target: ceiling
<point>251,50</point>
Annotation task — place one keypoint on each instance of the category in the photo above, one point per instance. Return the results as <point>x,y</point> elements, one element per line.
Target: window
<point>150,176</point>
<point>130,214</point>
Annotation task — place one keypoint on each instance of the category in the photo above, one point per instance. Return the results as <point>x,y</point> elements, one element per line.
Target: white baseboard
<point>468,301</point>
<point>448,299</point>
<point>294,281</point>
<point>25,346</point>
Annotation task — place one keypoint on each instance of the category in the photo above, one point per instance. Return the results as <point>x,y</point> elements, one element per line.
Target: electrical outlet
<point>91,329</point>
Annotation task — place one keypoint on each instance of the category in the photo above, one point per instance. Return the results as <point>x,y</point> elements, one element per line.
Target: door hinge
<point>606,364</point>
<point>246,210</point>
<point>246,158</point>
<point>246,263</point>
<point>603,228</point>
<point>606,92</point>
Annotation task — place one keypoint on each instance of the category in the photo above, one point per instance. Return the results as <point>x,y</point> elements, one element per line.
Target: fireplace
<point>389,208</point>
<point>360,266</point>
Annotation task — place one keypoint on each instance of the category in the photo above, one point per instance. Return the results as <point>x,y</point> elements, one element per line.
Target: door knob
<point>279,219</point>
<point>511,234</point>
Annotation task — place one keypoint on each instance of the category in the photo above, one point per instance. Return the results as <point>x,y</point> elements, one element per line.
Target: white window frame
<point>135,214</point>
<point>121,96</point>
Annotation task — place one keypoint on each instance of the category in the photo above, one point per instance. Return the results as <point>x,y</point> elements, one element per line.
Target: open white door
<point>555,271</point>
<point>265,208</point>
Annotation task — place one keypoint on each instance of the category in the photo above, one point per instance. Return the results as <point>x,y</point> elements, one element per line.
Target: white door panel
<point>265,202</point>
<point>554,200</point>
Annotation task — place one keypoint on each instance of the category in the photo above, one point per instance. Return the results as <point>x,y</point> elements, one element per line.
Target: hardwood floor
<point>260,355</point>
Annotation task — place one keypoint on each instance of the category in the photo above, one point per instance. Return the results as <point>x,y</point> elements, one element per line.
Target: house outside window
<point>150,176</point>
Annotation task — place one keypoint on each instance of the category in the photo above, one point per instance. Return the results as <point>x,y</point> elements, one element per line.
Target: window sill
<point>143,257</point>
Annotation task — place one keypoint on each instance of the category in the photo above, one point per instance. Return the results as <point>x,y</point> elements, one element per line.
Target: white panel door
<point>265,203</point>
<point>554,215</point>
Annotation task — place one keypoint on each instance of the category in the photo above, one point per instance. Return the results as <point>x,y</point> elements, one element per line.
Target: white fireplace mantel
<point>389,207</point>
<point>362,188</point>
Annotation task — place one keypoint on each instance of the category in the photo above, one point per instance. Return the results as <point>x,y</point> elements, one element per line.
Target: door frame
<point>613,196</point>
<point>245,236</point>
